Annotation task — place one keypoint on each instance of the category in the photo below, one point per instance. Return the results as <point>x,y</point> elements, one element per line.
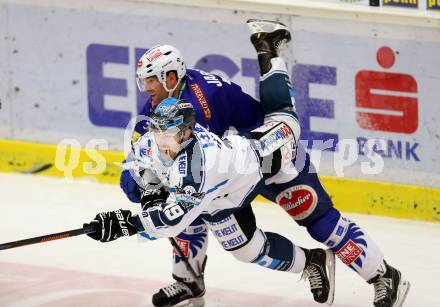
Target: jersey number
<point>173,211</point>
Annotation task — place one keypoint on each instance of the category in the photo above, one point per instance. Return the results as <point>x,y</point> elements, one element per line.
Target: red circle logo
<point>299,201</point>
<point>385,57</point>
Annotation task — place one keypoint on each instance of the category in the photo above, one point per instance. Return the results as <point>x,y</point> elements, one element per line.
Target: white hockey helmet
<point>158,61</point>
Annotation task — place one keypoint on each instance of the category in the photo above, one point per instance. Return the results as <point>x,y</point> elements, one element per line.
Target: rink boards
<point>349,195</point>
<point>379,98</point>
<point>373,87</point>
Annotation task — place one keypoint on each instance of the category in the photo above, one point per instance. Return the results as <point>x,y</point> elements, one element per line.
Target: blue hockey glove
<point>130,187</point>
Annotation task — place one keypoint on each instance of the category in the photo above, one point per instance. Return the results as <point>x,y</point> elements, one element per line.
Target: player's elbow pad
<point>289,117</point>
<point>275,134</point>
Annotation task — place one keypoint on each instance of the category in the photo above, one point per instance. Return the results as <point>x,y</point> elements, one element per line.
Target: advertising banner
<point>433,4</point>
<point>401,3</point>
<point>367,97</point>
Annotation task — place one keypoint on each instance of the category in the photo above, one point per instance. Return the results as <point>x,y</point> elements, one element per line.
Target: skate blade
<point>402,292</point>
<point>192,302</point>
<point>330,264</point>
<point>266,26</point>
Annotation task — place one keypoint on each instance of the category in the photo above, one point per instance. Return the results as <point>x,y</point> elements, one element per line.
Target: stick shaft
<point>46,238</point>
<point>188,266</point>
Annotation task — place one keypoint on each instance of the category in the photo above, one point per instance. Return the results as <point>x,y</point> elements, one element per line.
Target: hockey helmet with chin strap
<point>158,61</point>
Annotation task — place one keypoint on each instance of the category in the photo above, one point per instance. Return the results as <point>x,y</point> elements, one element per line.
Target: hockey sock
<point>276,91</point>
<point>349,242</point>
<point>193,242</point>
<point>281,254</point>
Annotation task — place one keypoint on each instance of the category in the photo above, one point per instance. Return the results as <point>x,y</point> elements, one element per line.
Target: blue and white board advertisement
<point>360,87</point>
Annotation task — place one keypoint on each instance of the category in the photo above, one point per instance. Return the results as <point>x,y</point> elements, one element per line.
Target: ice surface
<point>81,272</point>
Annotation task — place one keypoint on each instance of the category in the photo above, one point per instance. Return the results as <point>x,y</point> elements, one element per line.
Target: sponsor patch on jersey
<point>228,232</point>
<point>182,165</point>
<point>201,99</point>
<point>144,151</point>
<point>349,252</point>
<point>299,201</point>
<point>184,246</point>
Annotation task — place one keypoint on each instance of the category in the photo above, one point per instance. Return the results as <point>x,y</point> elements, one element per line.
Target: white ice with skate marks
<point>81,272</point>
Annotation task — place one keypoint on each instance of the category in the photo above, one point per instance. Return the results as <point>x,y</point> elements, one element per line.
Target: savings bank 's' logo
<point>386,101</point>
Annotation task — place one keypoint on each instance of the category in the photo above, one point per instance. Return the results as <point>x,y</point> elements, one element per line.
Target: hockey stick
<point>51,237</point>
<point>90,229</point>
<point>197,278</point>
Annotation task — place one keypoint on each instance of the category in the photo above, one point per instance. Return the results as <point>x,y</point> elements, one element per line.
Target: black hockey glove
<point>112,225</point>
<point>152,197</point>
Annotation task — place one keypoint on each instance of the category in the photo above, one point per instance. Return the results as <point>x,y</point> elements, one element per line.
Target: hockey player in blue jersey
<point>303,196</point>
<point>216,180</point>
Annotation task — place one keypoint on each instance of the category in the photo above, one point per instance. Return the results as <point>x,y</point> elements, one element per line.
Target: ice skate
<point>267,37</point>
<point>180,293</point>
<point>390,290</point>
<point>320,271</point>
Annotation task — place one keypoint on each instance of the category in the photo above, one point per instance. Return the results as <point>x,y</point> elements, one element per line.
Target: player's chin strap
<point>170,91</point>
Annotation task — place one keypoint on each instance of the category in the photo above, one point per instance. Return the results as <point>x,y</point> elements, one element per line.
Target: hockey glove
<point>112,225</point>
<point>130,187</point>
<point>153,196</point>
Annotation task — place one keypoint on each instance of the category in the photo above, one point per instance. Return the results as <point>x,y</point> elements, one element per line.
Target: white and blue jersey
<point>210,178</point>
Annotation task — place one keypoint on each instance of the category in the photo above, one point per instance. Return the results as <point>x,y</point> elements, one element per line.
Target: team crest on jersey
<point>299,201</point>
<point>189,189</point>
<point>188,196</point>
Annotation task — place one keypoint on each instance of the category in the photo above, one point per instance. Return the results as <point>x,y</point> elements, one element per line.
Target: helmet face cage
<point>158,61</point>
